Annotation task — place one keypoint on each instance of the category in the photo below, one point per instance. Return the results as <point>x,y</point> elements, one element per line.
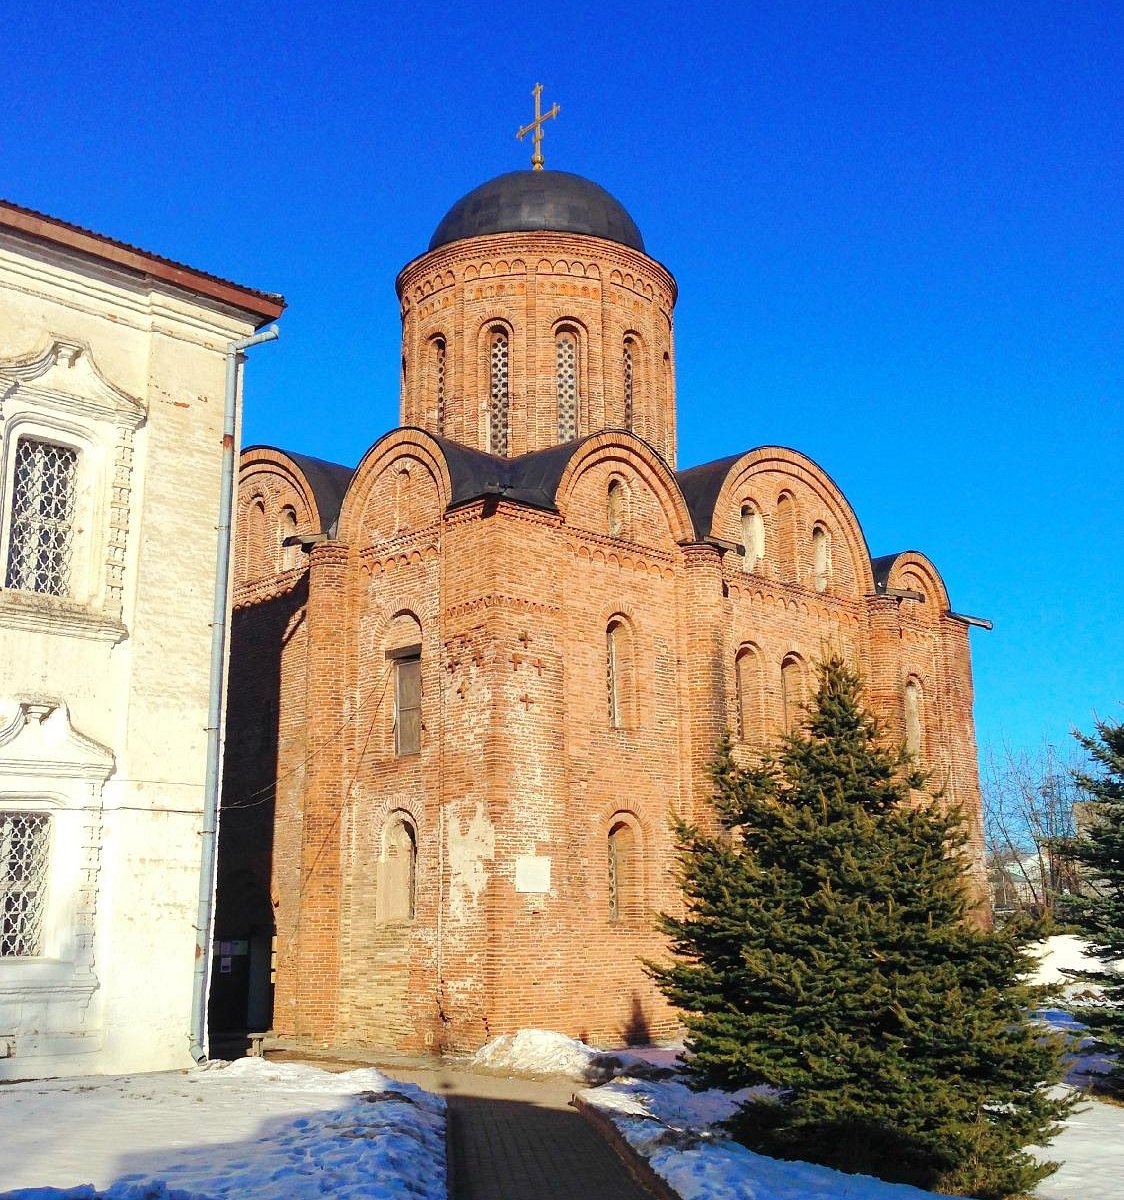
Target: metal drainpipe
<point>216,701</point>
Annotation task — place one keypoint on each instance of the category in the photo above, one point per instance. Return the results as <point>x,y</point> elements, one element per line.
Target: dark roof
<point>266,305</point>
<point>700,487</point>
<point>530,479</point>
<point>881,568</point>
<point>530,200</point>
<point>327,481</point>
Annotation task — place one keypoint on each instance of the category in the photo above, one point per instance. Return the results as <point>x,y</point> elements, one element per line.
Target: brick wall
<point>524,766</point>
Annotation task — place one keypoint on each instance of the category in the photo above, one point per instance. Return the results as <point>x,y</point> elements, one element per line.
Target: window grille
<point>498,412</point>
<point>612,682</point>
<point>439,381</point>
<point>41,542</point>
<point>628,377</point>
<point>24,842</point>
<point>567,362</point>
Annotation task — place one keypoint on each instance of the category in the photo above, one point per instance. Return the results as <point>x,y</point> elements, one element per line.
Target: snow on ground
<point>251,1129</point>
<point>1061,953</point>
<point>1091,1151</point>
<point>676,1129</point>
<point>538,1052</point>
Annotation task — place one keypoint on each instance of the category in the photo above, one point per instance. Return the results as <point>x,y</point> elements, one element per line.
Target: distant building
<point>472,678</point>
<point>111,438</point>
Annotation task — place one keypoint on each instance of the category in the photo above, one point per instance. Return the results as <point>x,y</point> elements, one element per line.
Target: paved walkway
<point>518,1139</point>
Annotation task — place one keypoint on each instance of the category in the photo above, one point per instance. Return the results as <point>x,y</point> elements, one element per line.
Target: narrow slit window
<point>439,382</point>
<point>786,538</point>
<point>747,668</point>
<point>290,553</point>
<point>753,537</point>
<point>616,505</point>
<point>913,729</point>
<point>619,673</point>
<point>612,674</point>
<point>792,692</point>
<point>400,858</point>
<point>407,705</point>
<point>498,414</point>
<point>566,353</point>
<point>629,380</point>
<point>821,558</point>
<point>623,872</point>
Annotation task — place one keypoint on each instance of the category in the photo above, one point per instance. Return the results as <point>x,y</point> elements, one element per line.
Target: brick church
<point>472,677</point>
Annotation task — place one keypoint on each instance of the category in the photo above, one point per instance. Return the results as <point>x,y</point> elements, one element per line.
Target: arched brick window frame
<point>258,549</point>
<point>793,691</point>
<point>914,712</point>
<point>618,508</point>
<point>624,870</point>
<point>784,520</point>
<point>632,377</point>
<point>821,557</point>
<point>620,672</point>
<point>396,899</point>
<point>287,527</point>
<point>567,379</point>
<point>436,383</point>
<point>749,685</point>
<point>752,535</point>
<point>403,481</point>
<point>498,343</point>
<point>403,651</point>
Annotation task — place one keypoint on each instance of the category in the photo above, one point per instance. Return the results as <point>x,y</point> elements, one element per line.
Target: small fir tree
<point>1097,909</point>
<point>827,952</point>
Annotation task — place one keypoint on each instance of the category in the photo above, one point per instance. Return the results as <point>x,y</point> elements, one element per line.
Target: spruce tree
<point>1097,909</point>
<point>827,951</point>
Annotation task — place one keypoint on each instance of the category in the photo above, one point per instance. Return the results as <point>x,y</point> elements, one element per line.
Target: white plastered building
<point>113,382</point>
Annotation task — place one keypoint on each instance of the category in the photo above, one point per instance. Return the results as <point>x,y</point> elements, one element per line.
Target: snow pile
<point>541,1052</point>
<point>251,1129</point>
<point>1064,952</point>
<point>674,1129</point>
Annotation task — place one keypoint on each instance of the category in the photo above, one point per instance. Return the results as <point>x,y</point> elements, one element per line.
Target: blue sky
<point>898,232</point>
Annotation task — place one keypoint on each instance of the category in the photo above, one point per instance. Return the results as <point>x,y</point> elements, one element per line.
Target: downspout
<point>217,694</point>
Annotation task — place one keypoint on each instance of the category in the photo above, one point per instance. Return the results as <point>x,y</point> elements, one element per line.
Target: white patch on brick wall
<point>469,849</point>
<point>532,873</point>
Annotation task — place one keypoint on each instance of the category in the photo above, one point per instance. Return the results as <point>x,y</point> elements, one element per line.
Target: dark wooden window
<point>407,705</point>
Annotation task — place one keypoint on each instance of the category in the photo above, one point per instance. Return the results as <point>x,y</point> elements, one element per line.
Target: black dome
<point>529,200</point>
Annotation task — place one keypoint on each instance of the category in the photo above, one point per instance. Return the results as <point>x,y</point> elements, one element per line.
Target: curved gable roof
<point>327,481</point>
<point>700,487</point>
<point>530,479</point>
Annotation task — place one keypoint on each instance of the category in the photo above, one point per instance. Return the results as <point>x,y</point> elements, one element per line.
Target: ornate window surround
<point>58,395</point>
<point>47,766</point>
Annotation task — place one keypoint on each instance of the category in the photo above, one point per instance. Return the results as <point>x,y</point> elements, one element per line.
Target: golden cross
<point>536,125</point>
